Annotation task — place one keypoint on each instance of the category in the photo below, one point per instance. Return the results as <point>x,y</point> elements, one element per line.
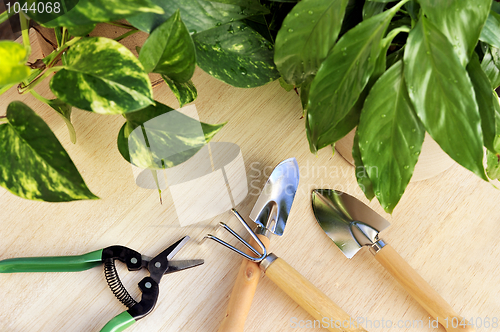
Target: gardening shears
<point>149,286</point>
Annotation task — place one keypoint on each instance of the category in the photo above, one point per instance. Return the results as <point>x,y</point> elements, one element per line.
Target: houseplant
<point>356,63</point>
<point>406,68</point>
<point>99,75</point>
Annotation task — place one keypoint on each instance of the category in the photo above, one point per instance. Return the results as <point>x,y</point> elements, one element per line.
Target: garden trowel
<point>270,213</point>
<point>352,225</point>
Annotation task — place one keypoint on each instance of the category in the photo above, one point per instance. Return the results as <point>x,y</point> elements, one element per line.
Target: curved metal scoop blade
<point>350,223</point>
<point>271,210</point>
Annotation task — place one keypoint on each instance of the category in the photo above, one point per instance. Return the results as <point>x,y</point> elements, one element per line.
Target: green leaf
<point>372,8</point>
<point>342,128</point>
<point>493,162</point>
<point>159,137</point>
<point>351,120</point>
<point>390,137</point>
<point>413,9</point>
<point>306,37</point>
<point>81,30</point>
<point>343,76</point>
<point>236,54</point>
<point>169,50</point>
<point>102,76</point>
<point>184,92</point>
<point>361,175</point>
<point>460,21</point>
<point>491,30</point>
<point>487,101</point>
<point>34,165</point>
<point>12,69</point>
<point>199,15</point>
<point>443,96</point>
<point>304,92</point>
<point>64,110</point>
<point>491,65</point>
<point>73,13</point>
<point>285,85</point>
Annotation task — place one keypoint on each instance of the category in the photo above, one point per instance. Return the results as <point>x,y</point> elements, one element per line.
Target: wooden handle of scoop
<point>315,302</point>
<point>421,291</point>
<point>243,293</point>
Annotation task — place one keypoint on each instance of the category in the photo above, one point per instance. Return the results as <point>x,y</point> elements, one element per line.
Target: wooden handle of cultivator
<point>315,302</point>
<point>421,291</point>
<point>243,293</point>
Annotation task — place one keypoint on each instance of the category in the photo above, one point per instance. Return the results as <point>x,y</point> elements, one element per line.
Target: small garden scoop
<point>270,213</point>
<point>352,225</point>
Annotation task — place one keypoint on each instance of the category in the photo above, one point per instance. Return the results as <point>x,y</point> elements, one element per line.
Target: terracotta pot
<point>431,162</point>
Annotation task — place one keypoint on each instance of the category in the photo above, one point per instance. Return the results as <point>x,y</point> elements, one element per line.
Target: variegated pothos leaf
<point>159,137</point>
<point>33,164</point>
<point>102,76</point>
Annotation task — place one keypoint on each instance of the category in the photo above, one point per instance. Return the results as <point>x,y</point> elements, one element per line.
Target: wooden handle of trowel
<point>421,291</point>
<point>315,302</point>
<point>243,293</point>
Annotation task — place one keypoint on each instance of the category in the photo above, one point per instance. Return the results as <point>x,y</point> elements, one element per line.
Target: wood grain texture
<point>421,291</point>
<point>446,227</point>
<point>311,299</point>
<point>243,293</point>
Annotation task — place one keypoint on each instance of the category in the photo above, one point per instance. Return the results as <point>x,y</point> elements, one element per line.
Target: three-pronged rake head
<point>259,255</point>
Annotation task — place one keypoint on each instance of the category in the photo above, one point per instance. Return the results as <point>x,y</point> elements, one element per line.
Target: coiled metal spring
<point>116,285</point>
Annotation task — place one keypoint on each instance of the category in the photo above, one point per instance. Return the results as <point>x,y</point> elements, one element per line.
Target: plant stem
<point>25,31</point>
<point>4,17</point>
<point>3,119</point>
<point>36,81</point>
<point>39,97</point>
<point>62,49</point>
<point>63,36</point>
<point>126,34</point>
<point>5,88</point>
<point>122,25</point>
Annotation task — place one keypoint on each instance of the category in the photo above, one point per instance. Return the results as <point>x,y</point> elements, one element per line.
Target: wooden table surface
<point>446,228</point>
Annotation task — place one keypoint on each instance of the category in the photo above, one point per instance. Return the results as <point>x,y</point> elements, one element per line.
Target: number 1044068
<point>35,7</point>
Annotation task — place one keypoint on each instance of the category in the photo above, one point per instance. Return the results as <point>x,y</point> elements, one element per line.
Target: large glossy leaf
<point>487,101</point>
<point>304,92</point>
<point>306,37</point>
<point>390,137</point>
<point>198,15</point>
<point>343,76</point>
<point>491,65</point>
<point>169,50</point>
<point>491,30</point>
<point>372,8</point>
<point>34,165</point>
<point>350,121</point>
<point>184,92</point>
<point>461,21</point>
<point>443,95</point>
<point>361,174</point>
<point>236,54</point>
<point>72,13</point>
<point>159,137</point>
<point>12,68</point>
<point>102,76</point>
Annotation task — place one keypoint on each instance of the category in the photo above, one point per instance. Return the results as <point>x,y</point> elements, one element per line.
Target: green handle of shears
<point>52,264</point>
<point>119,323</point>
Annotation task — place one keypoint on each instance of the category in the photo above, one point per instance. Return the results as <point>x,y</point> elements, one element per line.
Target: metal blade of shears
<point>176,266</point>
